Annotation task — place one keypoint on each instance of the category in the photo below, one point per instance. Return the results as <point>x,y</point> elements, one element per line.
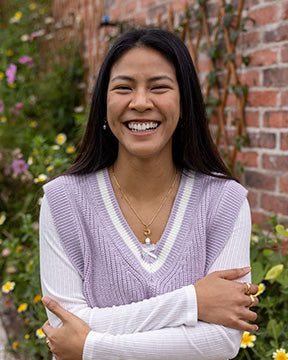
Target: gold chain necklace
<point>147,230</point>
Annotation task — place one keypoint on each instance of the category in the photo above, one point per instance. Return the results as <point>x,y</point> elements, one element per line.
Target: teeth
<point>138,127</point>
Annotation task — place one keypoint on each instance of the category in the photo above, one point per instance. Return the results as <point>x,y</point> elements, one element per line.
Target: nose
<point>140,101</point>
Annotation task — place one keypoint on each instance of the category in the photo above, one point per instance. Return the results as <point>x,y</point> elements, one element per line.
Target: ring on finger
<point>248,288</point>
<point>47,343</point>
<point>252,300</point>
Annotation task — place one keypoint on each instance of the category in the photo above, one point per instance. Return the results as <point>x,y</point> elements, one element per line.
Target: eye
<point>123,88</point>
<point>160,88</point>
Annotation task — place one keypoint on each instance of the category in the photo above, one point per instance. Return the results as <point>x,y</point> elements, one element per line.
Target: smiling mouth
<point>137,126</point>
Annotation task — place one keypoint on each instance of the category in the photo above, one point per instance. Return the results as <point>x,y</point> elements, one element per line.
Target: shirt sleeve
<point>201,342</point>
<point>61,281</point>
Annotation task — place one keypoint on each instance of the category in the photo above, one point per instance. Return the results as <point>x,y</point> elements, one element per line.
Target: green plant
<point>269,270</point>
<point>42,109</point>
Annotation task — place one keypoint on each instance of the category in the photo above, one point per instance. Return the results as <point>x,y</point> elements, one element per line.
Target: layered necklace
<point>147,230</point>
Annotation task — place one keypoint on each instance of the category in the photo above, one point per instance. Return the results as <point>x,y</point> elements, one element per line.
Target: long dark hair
<point>193,147</point>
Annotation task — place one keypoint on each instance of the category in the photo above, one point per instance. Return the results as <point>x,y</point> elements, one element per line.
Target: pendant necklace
<point>147,230</point>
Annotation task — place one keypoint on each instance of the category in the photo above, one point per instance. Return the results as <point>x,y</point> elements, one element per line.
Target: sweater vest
<point>109,258</point>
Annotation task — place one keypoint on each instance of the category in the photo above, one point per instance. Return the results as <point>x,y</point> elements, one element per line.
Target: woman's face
<point>143,103</point>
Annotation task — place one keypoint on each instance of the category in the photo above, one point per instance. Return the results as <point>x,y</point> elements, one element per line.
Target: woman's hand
<point>66,342</point>
<point>225,302</point>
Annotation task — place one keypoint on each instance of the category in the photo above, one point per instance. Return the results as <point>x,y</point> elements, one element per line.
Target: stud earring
<point>105,124</point>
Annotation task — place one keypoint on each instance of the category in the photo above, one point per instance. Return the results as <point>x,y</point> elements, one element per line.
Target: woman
<point>139,236</point>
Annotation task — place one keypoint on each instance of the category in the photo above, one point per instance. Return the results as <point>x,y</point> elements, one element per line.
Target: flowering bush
<point>269,270</point>
<point>39,113</point>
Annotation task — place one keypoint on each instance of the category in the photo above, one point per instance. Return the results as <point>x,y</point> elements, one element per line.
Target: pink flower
<point>26,60</point>
<point>19,166</point>
<point>1,106</point>
<point>6,252</point>
<point>11,73</point>
<point>17,107</point>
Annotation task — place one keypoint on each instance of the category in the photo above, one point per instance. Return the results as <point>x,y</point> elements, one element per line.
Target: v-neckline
<point>123,236</point>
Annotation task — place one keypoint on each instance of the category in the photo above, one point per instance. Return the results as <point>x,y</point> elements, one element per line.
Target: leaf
<point>257,272</point>
<point>274,272</point>
<point>274,328</point>
<point>283,278</point>
<point>268,252</point>
<point>281,230</point>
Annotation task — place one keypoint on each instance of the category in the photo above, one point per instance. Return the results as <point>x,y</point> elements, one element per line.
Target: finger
<point>56,309</point>
<point>244,326</point>
<point>249,289</point>
<point>47,328</point>
<point>233,274</point>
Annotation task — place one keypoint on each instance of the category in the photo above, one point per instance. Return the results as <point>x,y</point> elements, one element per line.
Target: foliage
<point>41,107</point>
<point>270,270</point>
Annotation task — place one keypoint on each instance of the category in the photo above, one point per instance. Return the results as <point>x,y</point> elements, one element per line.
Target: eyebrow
<point>154,78</point>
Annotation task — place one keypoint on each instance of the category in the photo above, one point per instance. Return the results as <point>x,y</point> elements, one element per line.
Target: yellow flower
<point>2,217</point>
<point>9,286</point>
<point>12,85</point>
<point>37,298</point>
<point>280,354</point>
<point>27,336</point>
<point>40,178</point>
<point>1,75</point>
<point>19,248</point>
<point>35,152</point>
<point>50,168</point>
<point>42,11</point>
<point>261,289</point>
<point>32,6</point>
<point>33,124</point>
<point>15,344</point>
<point>70,149</point>
<point>22,307</point>
<point>18,15</point>
<point>61,139</point>
<point>40,334</point>
<point>247,340</point>
<point>3,119</point>
<point>9,52</point>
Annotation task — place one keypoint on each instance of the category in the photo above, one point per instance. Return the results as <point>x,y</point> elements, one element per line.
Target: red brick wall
<point>266,42</point>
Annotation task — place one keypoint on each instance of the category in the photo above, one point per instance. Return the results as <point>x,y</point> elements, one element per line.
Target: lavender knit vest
<point>108,257</point>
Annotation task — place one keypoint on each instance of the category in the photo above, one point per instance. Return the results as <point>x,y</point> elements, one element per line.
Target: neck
<point>144,178</point>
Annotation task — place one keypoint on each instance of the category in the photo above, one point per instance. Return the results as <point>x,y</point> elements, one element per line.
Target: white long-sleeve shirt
<point>163,327</point>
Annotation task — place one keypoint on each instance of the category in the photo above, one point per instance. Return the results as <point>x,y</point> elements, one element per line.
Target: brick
<point>253,199</point>
<point>284,98</point>
<point>262,140</point>
<point>130,7</point>
<point>276,35</point>
<point>252,118</point>
<point>115,14</point>
<point>262,98</point>
<point>204,65</point>
<point>260,218</point>
<point>177,5</point>
<point>277,119</point>
<point>146,3</point>
<point>277,204</point>
<point>284,54</point>
<point>285,11</point>
<point>263,57</point>
<point>275,162</point>
<point>283,184</point>
<point>284,141</point>
<point>275,77</point>
<point>248,39</point>
<point>266,15</point>
<point>248,159</point>
<point>249,78</point>
<point>258,180</point>
<point>231,100</point>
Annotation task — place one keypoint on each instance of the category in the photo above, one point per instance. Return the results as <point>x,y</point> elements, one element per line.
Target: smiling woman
<point>142,237</point>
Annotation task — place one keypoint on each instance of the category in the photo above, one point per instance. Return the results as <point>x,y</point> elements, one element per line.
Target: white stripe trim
<point>184,200</point>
